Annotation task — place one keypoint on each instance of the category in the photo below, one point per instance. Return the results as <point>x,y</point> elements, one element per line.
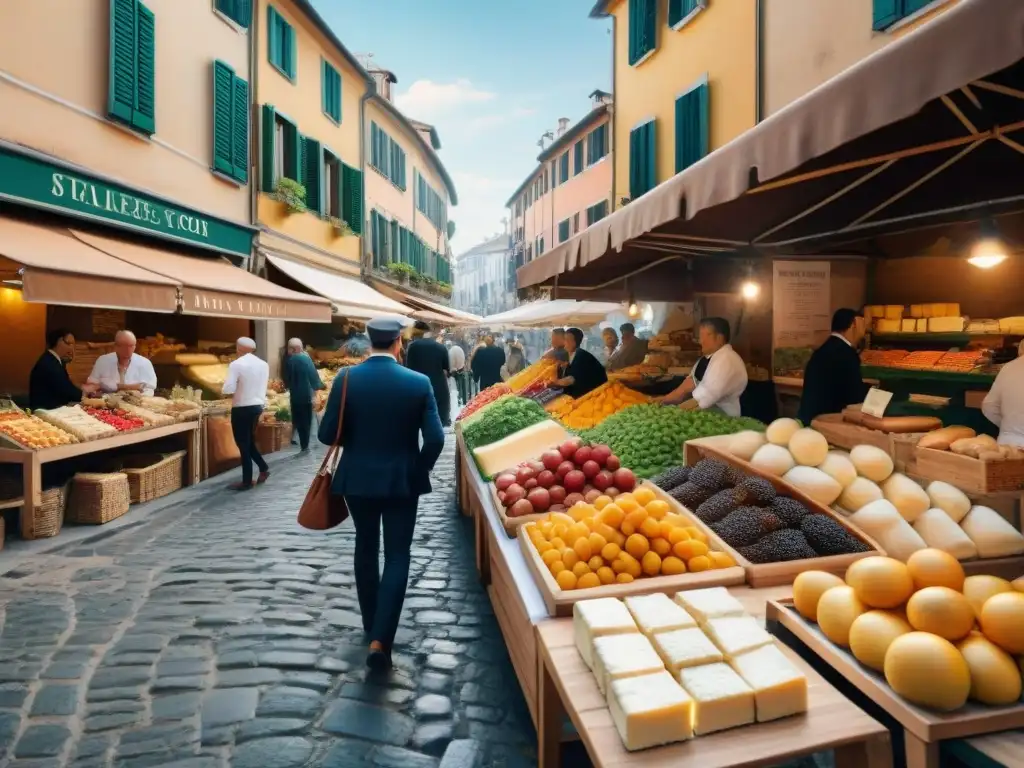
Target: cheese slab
<point>780,689</point>
<point>711,603</point>
<point>657,613</point>
<point>685,648</point>
<point>519,446</point>
<point>737,634</point>
<point>619,656</point>
<point>650,711</point>
<point>721,699</point>
<point>596,618</point>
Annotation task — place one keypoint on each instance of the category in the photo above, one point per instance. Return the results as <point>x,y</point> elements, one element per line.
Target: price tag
<point>876,402</point>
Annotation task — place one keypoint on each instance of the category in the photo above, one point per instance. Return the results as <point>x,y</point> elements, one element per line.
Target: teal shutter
<point>885,13</point>
<point>223,116</point>
<point>577,167</point>
<point>293,164</point>
<point>563,231</point>
<point>240,130</point>
<point>643,28</point>
<point>691,130</point>
<point>451,229</point>
<point>635,163</point>
<point>312,170</point>
<point>290,49</point>
<point>642,160</point>
<point>267,162</point>
<point>330,87</point>
<point>243,12</point>
<point>651,177</point>
<point>681,9</point>
<point>121,102</point>
<point>144,116</point>
<point>273,36</point>
<point>913,6</point>
<point>563,171</point>
<point>352,205</point>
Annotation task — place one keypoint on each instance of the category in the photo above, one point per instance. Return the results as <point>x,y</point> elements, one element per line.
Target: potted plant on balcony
<point>292,194</point>
<point>401,272</point>
<point>445,289</point>
<point>429,283</point>
<point>340,226</point>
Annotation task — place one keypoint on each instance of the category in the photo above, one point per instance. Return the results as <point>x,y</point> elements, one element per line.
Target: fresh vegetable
<point>489,395</point>
<point>598,404</point>
<point>501,420</point>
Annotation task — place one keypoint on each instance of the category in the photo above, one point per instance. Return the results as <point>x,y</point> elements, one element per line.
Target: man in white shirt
<point>122,370</point>
<point>457,370</point>
<point>1004,403</point>
<point>246,382</point>
<point>719,378</point>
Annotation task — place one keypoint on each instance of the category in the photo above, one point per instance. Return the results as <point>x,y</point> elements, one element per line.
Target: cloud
<point>425,98</point>
<point>481,123</point>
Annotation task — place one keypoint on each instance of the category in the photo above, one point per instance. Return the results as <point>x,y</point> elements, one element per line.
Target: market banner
<point>801,313</point>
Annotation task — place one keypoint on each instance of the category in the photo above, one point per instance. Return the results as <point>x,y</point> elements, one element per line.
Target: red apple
<point>612,492</point>
<point>524,474</point>
<point>582,456</point>
<point>563,469</point>
<point>624,479</point>
<point>501,497</point>
<point>590,469</point>
<point>520,508</point>
<point>568,448</point>
<point>558,494</point>
<point>603,480</point>
<point>574,481</point>
<point>551,460</point>
<point>600,454</point>
<point>572,499</point>
<point>546,479</point>
<point>539,498</point>
<point>612,463</point>
<point>514,493</point>
<point>591,496</point>
<point>531,483</point>
<point>504,480</point>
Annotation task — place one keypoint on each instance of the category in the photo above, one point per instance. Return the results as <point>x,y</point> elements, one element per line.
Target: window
<point>386,156</point>
<point>230,123</point>
<point>352,197</point>
<point>280,43</point>
<point>380,239</point>
<point>888,12</point>
<point>597,212</point>
<point>692,119</point>
<point>282,150</point>
<point>332,185</point>
<point>312,167</point>
<point>563,230</point>
<point>330,86</point>
<point>239,11</point>
<point>575,223</point>
<point>132,87</point>
<point>597,144</point>
<point>563,167</point>
<point>681,11</point>
<point>577,161</point>
<point>643,29</point>
<point>642,160</point>
<point>430,203</point>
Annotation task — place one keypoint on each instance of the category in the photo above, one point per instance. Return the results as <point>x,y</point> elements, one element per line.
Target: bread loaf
<point>941,439</point>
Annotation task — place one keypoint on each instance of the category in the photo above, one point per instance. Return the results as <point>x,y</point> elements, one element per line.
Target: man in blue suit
<point>382,472</point>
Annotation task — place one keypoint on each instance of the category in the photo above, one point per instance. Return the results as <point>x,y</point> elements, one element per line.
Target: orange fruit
<point>612,515</point>
<point>721,560</point>
<point>650,528</point>
<point>580,568</point>
<point>644,496</point>
<point>657,509</point>
<point>550,556</point>
<point>624,578</point>
<point>651,564</point>
<point>566,580</point>
<point>558,543</point>
<point>689,548</point>
<point>618,565</point>
<point>601,502</point>
<point>699,563</point>
<point>604,530</point>
<point>588,522</point>
<point>606,575</point>
<point>627,528</point>
<point>677,534</point>
<point>587,581</point>
<point>545,528</point>
<point>576,531</point>
<point>610,551</point>
<point>559,530</point>
<point>661,546</point>
<point>630,564</point>
<point>626,502</point>
<point>561,517</point>
<point>569,557</point>
<point>618,538</point>
<point>636,517</point>
<point>543,546</point>
<point>637,545</point>
<point>697,533</point>
<point>595,562</point>
<point>556,567</point>
<point>597,542</point>
<point>672,566</point>
<point>582,548</point>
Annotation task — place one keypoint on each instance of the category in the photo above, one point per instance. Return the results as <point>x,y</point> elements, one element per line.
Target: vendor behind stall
<point>122,370</point>
<point>1004,403</point>
<point>584,372</point>
<point>557,351</point>
<point>631,351</point>
<point>49,385</point>
<point>832,378</point>
<point>719,377</point>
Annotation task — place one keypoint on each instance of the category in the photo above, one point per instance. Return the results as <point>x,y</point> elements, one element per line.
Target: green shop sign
<point>37,183</point>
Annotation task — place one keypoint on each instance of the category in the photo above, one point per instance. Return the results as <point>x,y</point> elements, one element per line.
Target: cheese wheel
<point>837,609</point>
<point>995,677</point>
<point>872,633</point>
<point>808,587</point>
<point>808,446</point>
<point>928,671</point>
<point>871,462</point>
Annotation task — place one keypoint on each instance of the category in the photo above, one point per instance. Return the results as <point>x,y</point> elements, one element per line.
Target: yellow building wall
<point>26,323</point>
<point>807,42</point>
<point>54,74</point>
<point>720,42</point>
<point>300,102</point>
<point>539,218</point>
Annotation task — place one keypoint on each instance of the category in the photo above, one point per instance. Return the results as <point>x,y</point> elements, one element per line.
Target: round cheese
<point>815,483</point>
<point>908,497</point>
<point>773,459</point>
<point>880,582</point>
<point>978,589</point>
<point>935,568</point>
<point>872,633</point>
<point>949,499</point>
<point>1002,621</point>
<point>743,445</point>
<point>858,494</point>
<point>871,462</point>
<point>995,677</point>
<point>808,446</point>
<point>928,671</point>
<point>838,466</point>
<point>780,431</point>
<point>808,587</point>
<point>941,611</point>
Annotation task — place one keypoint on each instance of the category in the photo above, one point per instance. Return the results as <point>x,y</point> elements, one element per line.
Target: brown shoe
<point>240,487</point>
<point>379,660</point>
<point>263,477</point>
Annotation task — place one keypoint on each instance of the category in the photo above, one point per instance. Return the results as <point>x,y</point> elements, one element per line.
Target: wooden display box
<point>970,475</point>
<point>843,434</point>
<point>511,524</point>
<point>924,728</point>
<point>772,574</point>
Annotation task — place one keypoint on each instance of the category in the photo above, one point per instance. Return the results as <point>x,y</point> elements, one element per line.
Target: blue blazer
<point>386,409</point>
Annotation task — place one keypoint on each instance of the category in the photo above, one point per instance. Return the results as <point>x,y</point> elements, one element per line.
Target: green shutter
<point>144,117</point>
<point>352,205</point>
<point>292,138</point>
<point>913,6</point>
<point>681,9</point>
<point>240,130</point>
<point>563,231</point>
<point>577,167</point>
<point>643,28</point>
<point>267,162</point>
<point>121,103</point>
<point>691,129</point>
<point>652,155</point>
<point>885,14</point>
<point>451,229</point>
<point>312,170</point>
<point>563,170</point>
<point>223,115</point>
<point>243,12</point>
<point>274,22</point>
<point>642,160</point>
<point>290,50</point>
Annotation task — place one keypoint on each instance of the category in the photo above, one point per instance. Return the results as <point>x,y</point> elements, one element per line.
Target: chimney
<point>600,98</point>
<point>383,80</point>
<point>563,125</point>
<point>547,135</point>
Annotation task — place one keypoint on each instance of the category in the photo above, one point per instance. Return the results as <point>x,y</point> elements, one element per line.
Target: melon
<point>880,582</point>
<point>808,446</point>
<point>928,671</point>
<point>978,589</point>
<point>780,431</point>
<point>808,587</point>
<point>743,445</point>
<point>858,494</point>
<point>871,462</point>
<point>995,677</point>
<point>1002,621</point>
<point>773,459</point>
<point>838,466</point>
<point>837,609</point>
<point>941,611</point>
<point>872,633</point>
<point>935,568</point>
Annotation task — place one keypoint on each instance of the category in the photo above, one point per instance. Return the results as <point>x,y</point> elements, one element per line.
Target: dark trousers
<point>381,596</point>
<point>243,427</point>
<point>302,420</point>
<point>462,385</point>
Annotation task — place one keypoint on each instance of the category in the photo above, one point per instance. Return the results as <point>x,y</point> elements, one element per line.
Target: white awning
<point>351,298</point>
<point>424,309</point>
<point>553,313</point>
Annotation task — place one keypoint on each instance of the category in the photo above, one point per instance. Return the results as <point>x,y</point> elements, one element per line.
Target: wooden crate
<point>924,729</point>
<point>511,524</point>
<point>968,474</point>
<point>560,602</point>
<point>773,574</point>
<point>843,434</point>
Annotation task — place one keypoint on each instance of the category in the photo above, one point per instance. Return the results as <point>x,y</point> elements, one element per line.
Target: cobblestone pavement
<point>222,634</point>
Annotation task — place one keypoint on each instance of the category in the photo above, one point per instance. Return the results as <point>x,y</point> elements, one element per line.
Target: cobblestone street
<point>220,633</point>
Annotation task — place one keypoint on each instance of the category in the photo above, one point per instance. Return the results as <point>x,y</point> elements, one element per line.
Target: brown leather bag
<point>321,510</point>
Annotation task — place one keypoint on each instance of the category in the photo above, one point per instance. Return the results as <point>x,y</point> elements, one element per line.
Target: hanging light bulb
<point>634,309</point>
<point>750,290</point>
<point>990,250</point>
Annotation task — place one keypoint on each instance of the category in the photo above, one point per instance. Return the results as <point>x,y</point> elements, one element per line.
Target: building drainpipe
<point>364,248</point>
<point>615,97</point>
<point>759,62</point>
<point>255,265</point>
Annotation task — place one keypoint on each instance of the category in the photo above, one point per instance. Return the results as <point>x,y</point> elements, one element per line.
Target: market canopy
<point>926,132</point>
<point>351,298</point>
<point>540,314</point>
<point>424,309</point>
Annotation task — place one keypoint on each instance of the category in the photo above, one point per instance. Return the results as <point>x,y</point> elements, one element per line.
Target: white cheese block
<point>710,603</point>
<point>618,656</point>
<point>922,325</point>
<point>949,499</point>
<point>721,699</point>
<point>520,446</point>
<point>946,325</point>
<point>909,498</point>
<point>596,618</point>
<point>893,311</point>
<point>685,648</point>
<point>939,531</point>
<point>650,711</point>
<point>887,326</point>
<point>657,613</point>
<point>991,533</point>
<point>780,689</point>
<point>908,325</point>
<point>737,634</point>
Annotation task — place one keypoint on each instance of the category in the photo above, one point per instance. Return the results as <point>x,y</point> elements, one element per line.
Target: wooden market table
<point>994,750</point>
<point>31,461</point>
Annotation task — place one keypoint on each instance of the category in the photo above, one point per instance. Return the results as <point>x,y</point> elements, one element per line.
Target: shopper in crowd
<point>719,377</point>
<point>584,371</point>
<point>49,385</point>
<point>487,362</point>
<point>832,377</point>
<point>246,382</point>
<point>631,351</point>
<point>428,356</point>
<point>457,370</point>
<point>1004,403</point>
<point>557,350</point>
<point>122,370</point>
<point>302,380</point>
<point>515,362</point>
<point>382,473</point>
<point>610,340</point>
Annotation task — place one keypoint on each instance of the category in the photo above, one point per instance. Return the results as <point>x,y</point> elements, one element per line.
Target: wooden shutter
<point>267,160</point>
<point>121,97</point>
<point>290,49</point>
<point>651,174</point>
<point>223,116</point>
<point>577,167</point>
<point>243,12</point>
<point>352,205</point>
<point>274,37</point>
<point>635,163</point>
<point>144,117</point>
<point>691,129</point>
<point>913,6</point>
<point>643,28</point>
<point>681,9</point>
<point>885,13</point>
<point>564,169</point>
<point>312,172</point>
<point>240,130</point>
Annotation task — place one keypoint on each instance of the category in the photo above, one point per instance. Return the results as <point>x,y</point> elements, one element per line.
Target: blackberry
<point>828,537</point>
<point>709,474</point>
<point>689,495</point>
<point>672,478</point>
<point>779,546</point>
<point>734,476</point>
<point>790,511</point>
<point>745,525</point>
<point>755,491</point>
<point>717,507</point>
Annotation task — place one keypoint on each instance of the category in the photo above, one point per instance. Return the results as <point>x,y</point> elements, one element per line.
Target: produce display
<point>488,395</point>
<point>542,372</point>
<point>118,418</point>
<point>675,669</point>
<point>638,371</point>
<point>31,432</point>
<point>558,404</point>
<point>519,447</point>
<point>501,420</point>
<point>598,404</point>
<point>939,638</point>
<point>151,418</point>
<point>73,419</point>
<point>632,535</point>
<point>186,394</point>
<point>649,438</point>
<point>966,361</point>
<point>182,408</point>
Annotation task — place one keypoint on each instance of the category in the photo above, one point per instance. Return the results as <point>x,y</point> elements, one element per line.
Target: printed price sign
<point>876,402</point>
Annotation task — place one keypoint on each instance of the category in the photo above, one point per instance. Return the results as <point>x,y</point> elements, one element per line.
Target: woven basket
<point>1,532</point>
<point>273,437</point>
<point>48,516</point>
<point>97,498</point>
<point>150,477</point>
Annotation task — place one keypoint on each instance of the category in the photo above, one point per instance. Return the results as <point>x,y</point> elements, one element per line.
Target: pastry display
<point>30,432</point>
<point>73,419</point>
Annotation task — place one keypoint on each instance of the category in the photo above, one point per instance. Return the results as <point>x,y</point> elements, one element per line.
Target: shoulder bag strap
<point>333,449</point>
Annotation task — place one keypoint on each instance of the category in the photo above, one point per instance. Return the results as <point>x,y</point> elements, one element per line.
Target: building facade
<point>482,278</point>
<point>571,186</point>
<point>685,82</point>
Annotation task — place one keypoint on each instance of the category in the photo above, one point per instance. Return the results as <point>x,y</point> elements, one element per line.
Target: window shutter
<point>273,36</point>
<point>913,6</point>
<point>240,130</point>
<point>885,14</point>
<point>352,206</point>
<point>290,50</point>
<point>643,28</point>
<point>635,160</point>
<point>121,99</point>
<point>313,163</point>
<point>144,117</point>
<point>691,130</point>
<point>577,167</point>
<point>651,176</point>
<point>451,229</point>
<point>223,115</point>
<point>267,161</point>
<point>243,12</point>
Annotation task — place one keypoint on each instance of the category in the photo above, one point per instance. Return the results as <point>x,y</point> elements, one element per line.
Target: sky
<point>490,75</point>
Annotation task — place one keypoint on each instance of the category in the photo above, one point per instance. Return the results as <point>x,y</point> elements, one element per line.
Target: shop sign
<point>37,183</point>
<point>801,313</point>
<point>227,305</point>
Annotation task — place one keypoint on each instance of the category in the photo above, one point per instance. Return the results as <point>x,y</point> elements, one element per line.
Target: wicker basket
<point>150,477</point>
<point>48,517</point>
<point>97,498</point>
<point>273,436</point>
<point>1,532</point>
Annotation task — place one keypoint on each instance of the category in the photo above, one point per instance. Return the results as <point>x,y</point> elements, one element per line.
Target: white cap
<point>246,343</point>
